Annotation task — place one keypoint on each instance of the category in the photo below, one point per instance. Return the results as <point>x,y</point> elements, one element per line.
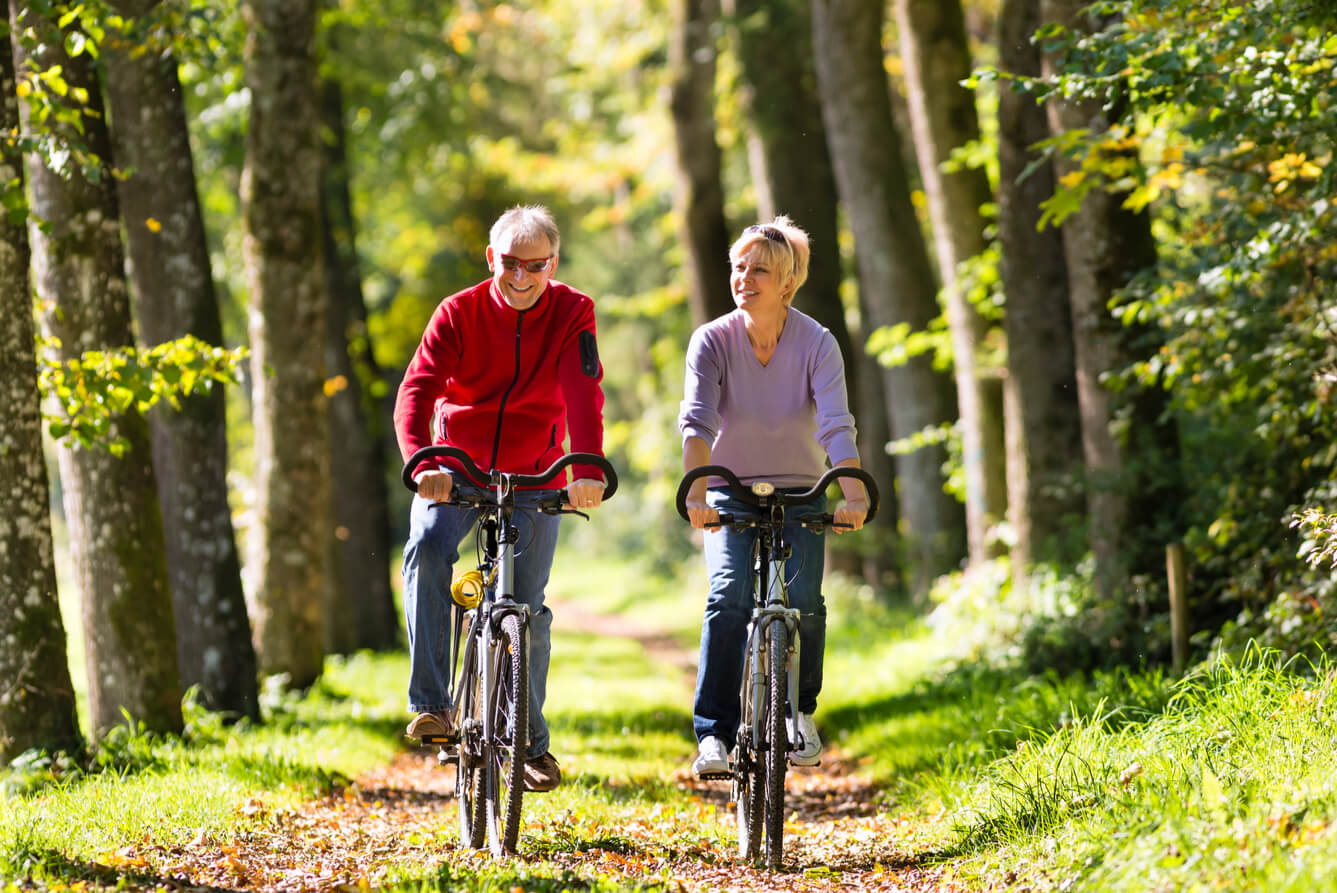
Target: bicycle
<point>769,694</point>
<point>489,682</point>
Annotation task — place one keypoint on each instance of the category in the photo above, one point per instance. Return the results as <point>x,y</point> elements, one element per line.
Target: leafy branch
<point>92,390</point>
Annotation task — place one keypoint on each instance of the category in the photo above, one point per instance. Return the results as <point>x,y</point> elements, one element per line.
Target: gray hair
<point>527,222</point>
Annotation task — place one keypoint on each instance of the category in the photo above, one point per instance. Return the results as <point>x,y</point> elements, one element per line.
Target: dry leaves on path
<point>404,813</point>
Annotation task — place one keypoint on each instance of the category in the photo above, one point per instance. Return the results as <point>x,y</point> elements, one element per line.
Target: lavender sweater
<point>778,422</point>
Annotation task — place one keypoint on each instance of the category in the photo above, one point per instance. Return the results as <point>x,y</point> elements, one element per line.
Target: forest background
<point>1079,260</point>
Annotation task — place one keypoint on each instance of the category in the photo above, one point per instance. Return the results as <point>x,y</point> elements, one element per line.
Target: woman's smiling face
<point>754,281</point>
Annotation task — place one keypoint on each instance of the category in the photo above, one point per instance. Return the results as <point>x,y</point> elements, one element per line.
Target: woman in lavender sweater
<point>764,397</point>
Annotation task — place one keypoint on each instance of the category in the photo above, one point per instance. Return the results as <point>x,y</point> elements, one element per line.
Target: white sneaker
<point>713,760</point>
<point>809,751</point>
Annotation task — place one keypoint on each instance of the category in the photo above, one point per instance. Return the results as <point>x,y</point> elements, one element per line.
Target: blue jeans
<point>729,608</point>
<point>435,532</point>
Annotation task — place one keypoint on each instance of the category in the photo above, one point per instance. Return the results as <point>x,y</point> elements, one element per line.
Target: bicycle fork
<point>774,606</point>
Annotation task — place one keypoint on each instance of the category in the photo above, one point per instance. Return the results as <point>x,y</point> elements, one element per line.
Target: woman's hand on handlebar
<point>699,512</point>
<point>850,515</point>
<point>435,484</point>
<point>585,493</point>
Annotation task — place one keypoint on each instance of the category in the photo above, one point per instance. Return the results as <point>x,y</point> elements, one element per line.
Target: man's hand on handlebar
<point>585,493</point>
<point>850,515</point>
<point>435,484</point>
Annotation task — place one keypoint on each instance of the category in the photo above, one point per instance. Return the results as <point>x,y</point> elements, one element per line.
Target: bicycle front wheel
<point>749,785</point>
<point>469,779</point>
<point>775,749</point>
<point>504,765</point>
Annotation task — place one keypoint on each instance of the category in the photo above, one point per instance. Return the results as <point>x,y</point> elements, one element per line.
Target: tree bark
<point>357,454</point>
<point>896,282</point>
<point>285,278</point>
<point>1104,245</point>
<point>780,96</point>
<point>37,703</point>
<point>936,60</point>
<point>111,503</point>
<point>699,197</point>
<point>173,295</point>
<point>1044,425</point>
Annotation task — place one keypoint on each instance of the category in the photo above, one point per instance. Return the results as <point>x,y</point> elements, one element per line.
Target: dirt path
<point>396,814</point>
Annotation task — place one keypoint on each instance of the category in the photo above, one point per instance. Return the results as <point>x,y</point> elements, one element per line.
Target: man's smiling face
<point>521,269</point>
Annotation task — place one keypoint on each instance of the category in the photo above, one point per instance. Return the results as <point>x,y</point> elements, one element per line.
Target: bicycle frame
<point>770,601</point>
<point>768,720</point>
<point>492,663</point>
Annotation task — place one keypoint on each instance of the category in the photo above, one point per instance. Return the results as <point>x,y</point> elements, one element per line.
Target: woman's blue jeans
<point>435,532</point>
<point>729,563</point>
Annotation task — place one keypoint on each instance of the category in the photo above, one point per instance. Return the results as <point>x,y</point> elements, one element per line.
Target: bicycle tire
<point>748,785</point>
<point>505,764</point>
<point>469,761</point>
<point>775,749</point>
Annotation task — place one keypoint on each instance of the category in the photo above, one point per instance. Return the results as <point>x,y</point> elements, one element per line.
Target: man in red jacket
<point>503,370</point>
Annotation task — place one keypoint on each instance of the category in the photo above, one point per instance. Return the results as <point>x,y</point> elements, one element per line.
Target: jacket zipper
<point>501,410</point>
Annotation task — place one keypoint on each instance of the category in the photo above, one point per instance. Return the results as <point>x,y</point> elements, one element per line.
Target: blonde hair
<point>787,256</point>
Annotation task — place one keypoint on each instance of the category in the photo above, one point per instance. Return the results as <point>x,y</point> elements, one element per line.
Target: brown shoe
<point>430,727</point>
<point>541,773</point>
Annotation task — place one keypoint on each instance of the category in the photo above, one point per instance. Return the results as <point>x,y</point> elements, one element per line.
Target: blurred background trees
<point>1079,260</point>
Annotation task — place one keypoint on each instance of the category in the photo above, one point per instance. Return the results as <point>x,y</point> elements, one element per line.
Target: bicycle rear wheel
<point>469,762</point>
<point>775,749</point>
<point>504,765</point>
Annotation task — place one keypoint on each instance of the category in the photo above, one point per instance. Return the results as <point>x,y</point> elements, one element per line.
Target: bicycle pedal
<point>439,740</point>
<point>716,776</point>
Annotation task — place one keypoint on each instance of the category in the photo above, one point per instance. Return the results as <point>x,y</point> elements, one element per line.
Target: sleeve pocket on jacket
<point>589,354</point>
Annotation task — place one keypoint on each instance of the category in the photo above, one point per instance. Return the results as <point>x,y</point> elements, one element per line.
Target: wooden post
<point>1174,569</point>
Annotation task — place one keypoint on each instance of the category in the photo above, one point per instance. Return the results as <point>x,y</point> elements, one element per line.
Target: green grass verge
<point>1119,781</point>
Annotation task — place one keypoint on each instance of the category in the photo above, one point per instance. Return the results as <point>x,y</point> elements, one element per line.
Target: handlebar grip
<point>471,470</point>
<point>735,485</point>
<point>610,475</point>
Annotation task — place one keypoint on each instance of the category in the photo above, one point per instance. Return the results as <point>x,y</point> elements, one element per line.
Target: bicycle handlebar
<point>742,492</point>
<point>481,478</point>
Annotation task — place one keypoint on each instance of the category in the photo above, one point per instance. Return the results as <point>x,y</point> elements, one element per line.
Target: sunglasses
<point>769,232</point>
<point>536,265</point>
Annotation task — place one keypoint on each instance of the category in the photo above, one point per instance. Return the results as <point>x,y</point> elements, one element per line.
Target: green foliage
<point>100,385</point>
<point>1220,127</point>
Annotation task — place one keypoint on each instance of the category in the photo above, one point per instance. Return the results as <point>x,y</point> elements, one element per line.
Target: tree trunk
<point>936,60</point>
<point>699,198</point>
<point>1045,502</point>
<point>781,101</point>
<point>173,293</point>
<point>1104,245</point>
<point>289,545</point>
<point>37,704</point>
<point>111,503</point>
<point>896,283</point>
<point>357,457</point>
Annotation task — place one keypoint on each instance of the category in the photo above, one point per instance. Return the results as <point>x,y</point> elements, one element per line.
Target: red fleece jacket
<point>503,384</point>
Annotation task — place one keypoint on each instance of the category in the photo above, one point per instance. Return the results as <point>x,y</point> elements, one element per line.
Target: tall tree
<point>285,277</point>
<point>936,59</point>
<point>1105,243</point>
<point>791,157</point>
<point>357,458</point>
<point>173,294</point>
<point>111,502</point>
<point>780,94</point>
<point>37,706</point>
<point>699,198</point>
<point>896,281</point>
<point>1044,426</point>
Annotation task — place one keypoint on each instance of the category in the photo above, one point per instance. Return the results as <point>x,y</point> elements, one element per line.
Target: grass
<point>1120,781</point>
